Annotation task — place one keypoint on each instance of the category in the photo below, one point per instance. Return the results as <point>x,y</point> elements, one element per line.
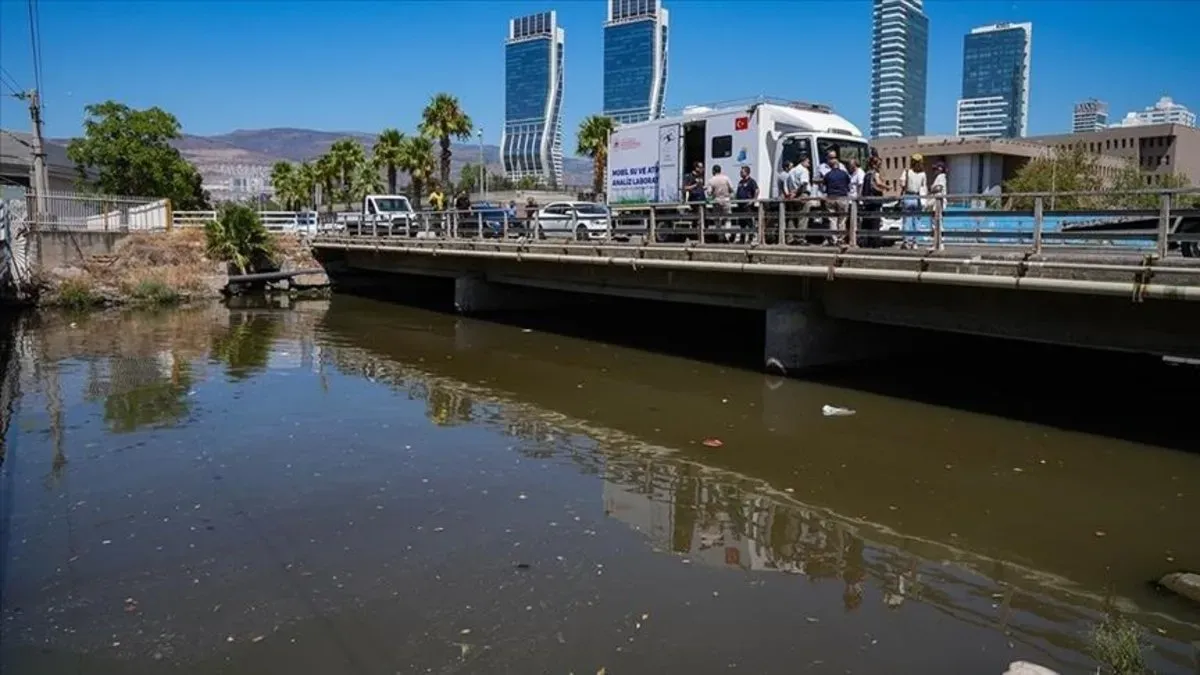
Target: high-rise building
<point>1090,115</point>
<point>899,55</point>
<point>1166,111</point>
<point>635,60</point>
<point>533,88</point>
<point>995,83</point>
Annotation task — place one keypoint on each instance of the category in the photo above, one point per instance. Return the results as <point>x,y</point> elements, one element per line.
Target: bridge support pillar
<point>473,294</point>
<point>801,336</point>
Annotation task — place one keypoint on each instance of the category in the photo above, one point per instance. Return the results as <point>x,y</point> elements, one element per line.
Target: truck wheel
<point>581,233</point>
<point>1190,249</point>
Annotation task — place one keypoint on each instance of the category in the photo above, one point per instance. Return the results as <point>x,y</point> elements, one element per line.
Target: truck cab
<point>382,215</point>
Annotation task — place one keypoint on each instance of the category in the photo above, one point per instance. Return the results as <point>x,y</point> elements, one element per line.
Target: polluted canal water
<point>349,486</point>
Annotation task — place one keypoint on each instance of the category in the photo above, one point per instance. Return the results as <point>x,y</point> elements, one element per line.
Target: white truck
<point>381,215</point>
<point>647,160</point>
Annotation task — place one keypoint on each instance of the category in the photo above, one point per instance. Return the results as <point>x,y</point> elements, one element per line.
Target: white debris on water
<point>835,411</point>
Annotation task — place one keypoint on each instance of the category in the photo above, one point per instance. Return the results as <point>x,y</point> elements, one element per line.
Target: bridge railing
<point>276,221</point>
<point>1150,221</point>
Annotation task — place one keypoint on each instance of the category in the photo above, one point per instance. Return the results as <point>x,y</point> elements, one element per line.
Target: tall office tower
<point>899,55</point>
<point>635,60</point>
<point>533,87</point>
<point>1090,115</point>
<point>995,84</point>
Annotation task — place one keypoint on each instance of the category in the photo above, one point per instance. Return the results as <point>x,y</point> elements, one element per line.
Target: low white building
<point>1165,111</point>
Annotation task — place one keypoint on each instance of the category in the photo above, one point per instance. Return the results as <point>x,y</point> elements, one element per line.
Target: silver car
<point>580,220</point>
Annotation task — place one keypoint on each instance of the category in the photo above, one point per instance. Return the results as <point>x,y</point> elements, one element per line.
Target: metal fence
<point>103,213</point>
<point>1160,223</point>
<point>276,221</point>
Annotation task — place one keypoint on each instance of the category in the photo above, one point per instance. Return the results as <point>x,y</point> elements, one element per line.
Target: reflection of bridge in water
<point>727,519</point>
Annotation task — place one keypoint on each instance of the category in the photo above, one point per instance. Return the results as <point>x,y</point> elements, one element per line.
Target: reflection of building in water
<point>717,524</point>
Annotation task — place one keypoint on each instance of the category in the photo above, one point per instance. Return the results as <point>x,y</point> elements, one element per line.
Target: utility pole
<point>37,174</point>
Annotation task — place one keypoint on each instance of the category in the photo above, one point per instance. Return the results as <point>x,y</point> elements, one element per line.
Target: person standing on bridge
<point>721,190</point>
<point>747,194</point>
<point>912,189</point>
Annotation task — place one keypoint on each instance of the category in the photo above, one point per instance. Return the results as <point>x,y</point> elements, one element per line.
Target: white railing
<point>276,221</point>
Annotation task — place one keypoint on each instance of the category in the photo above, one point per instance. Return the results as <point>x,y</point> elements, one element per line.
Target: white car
<point>581,220</point>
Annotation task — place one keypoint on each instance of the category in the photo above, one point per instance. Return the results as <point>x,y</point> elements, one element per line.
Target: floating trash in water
<point>712,443</point>
<point>834,411</point>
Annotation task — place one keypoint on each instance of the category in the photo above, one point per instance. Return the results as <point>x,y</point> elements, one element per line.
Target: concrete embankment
<point>82,269</point>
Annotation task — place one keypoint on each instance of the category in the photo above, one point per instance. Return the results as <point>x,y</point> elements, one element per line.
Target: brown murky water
<point>357,487</point>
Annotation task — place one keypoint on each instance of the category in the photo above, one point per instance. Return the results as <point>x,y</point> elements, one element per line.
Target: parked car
<point>581,220</point>
<point>493,220</point>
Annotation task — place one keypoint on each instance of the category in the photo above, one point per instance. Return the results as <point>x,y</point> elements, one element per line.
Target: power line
<point>9,81</point>
<point>35,43</point>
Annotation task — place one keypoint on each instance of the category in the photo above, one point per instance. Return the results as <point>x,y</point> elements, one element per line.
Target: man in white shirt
<point>800,180</point>
<point>857,176</point>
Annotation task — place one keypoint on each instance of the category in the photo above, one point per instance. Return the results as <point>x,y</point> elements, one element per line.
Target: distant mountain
<point>235,153</point>
<point>239,162</point>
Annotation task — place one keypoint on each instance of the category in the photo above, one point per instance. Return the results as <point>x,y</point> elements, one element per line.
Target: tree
<point>527,183</point>
<point>593,142</point>
<point>288,189</point>
<point>130,152</point>
<point>365,181</point>
<point>1071,171</point>
<point>238,236</point>
<point>307,179</point>
<point>468,177</point>
<point>499,182</point>
<point>347,157</point>
<point>441,120</point>
<point>387,154</point>
<point>326,173</point>
<point>417,160</point>
<point>1130,179</point>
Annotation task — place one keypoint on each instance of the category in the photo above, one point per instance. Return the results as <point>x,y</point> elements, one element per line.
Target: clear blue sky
<point>354,65</point>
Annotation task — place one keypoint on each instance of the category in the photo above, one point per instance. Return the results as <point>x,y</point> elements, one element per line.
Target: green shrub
<point>1118,643</point>
<point>238,236</point>
<point>77,294</point>
<point>154,292</point>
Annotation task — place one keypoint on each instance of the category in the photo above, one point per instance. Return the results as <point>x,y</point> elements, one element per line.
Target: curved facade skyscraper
<point>533,86</point>
<point>635,60</point>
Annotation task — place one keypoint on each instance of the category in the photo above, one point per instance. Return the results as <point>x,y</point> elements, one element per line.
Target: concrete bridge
<point>823,305</point>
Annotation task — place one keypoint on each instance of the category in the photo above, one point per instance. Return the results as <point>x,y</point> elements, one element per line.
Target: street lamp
<point>482,167</point>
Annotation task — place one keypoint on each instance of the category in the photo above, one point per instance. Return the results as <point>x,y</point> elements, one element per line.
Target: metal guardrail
<point>276,221</point>
<point>97,213</point>
<point>933,223</point>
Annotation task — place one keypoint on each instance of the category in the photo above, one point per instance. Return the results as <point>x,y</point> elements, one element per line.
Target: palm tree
<point>238,236</point>
<point>326,173</point>
<point>441,120</point>
<point>307,178</point>
<point>416,158</point>
<point>593,142</point>
<point>365,181</point>
<point>387,154</point>
<point>283,179</point>
<point>348,157</point>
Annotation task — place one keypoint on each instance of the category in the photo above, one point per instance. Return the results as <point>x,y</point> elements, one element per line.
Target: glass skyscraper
<point>533,87</point>
<point>995,82</point>
<point>635,60</point>
<point>899,55</point>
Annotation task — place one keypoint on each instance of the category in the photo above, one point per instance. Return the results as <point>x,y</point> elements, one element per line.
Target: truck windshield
<point>392,204</point>
<point>846,150</point>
